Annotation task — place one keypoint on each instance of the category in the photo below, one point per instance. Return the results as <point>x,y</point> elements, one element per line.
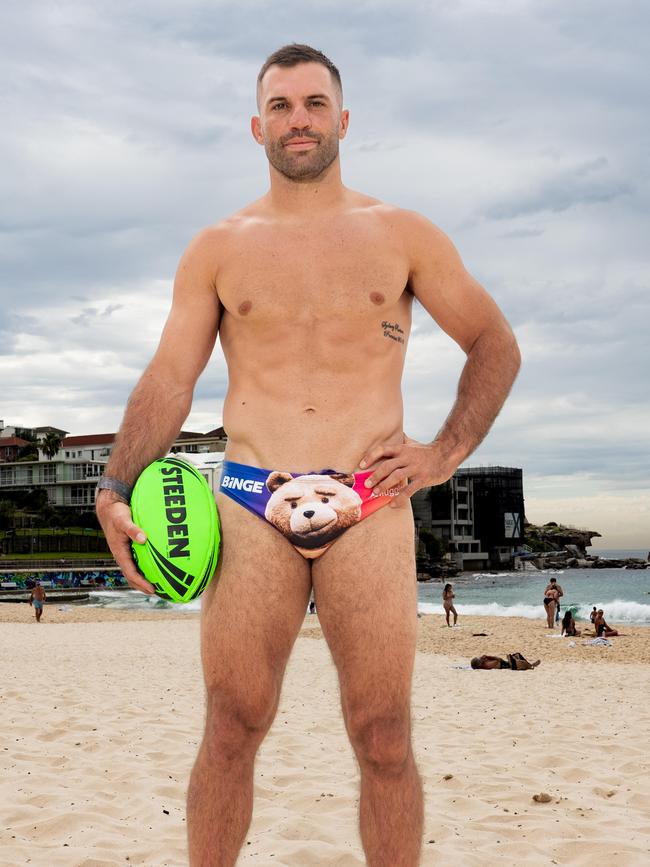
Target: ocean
<point>623,594</point>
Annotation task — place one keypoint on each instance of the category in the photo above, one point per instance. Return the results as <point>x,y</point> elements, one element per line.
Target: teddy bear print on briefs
<point>312,510</point>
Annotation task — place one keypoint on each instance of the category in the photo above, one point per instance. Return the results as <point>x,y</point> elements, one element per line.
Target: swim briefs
<point>311,510</point>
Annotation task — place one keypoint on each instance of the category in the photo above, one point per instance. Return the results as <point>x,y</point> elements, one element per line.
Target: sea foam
<point>616,611</point>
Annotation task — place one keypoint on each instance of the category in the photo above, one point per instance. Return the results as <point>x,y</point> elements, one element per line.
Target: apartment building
<point>70,477</point>
<point>478,513</point>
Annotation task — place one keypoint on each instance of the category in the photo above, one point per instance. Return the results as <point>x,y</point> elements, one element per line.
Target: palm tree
<point>51,445</point>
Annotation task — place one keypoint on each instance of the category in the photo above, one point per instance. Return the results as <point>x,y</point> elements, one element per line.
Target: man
<point>555,590</point>
<point>514,662</point>
<point>311,289</point>
<point>36,600</point>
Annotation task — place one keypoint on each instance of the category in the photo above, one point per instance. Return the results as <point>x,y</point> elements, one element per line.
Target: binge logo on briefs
<point>178,540</point>
<point>237,484</point>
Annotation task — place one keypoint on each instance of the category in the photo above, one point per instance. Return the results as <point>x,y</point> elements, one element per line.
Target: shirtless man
<point>36,600</point>
<point>310,289</point>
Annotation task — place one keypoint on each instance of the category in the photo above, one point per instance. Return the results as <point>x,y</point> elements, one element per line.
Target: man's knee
<point>237,723</point>
<point>380,741</point>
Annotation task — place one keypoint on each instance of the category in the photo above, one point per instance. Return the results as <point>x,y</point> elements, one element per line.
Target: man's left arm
<point>465,311</point>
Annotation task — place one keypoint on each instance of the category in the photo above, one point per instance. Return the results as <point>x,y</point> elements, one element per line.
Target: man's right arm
<point>162,399</point>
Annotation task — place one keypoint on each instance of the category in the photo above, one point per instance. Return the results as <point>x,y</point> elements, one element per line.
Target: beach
<point>102,713</point>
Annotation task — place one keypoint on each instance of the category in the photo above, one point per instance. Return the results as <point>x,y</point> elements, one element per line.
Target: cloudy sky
<point>520,127</point>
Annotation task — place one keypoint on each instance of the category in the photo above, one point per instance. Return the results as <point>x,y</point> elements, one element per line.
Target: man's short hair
<point>295,53</point>
<point>553,579</point>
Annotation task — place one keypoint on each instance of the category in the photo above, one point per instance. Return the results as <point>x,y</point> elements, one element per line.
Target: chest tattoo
<point>393,331</point>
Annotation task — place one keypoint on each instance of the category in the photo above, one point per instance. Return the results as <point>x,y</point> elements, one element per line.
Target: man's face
<point>300,121</point>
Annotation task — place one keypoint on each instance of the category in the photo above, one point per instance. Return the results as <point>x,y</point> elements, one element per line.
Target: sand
<point>101,715</point>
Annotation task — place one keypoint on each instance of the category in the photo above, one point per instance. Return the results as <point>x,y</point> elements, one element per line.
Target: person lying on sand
<point>515,662</point>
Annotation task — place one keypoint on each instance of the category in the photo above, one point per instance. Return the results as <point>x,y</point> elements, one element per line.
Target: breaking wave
<point>616,611</point>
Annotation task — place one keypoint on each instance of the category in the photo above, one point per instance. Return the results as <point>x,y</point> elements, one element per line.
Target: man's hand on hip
<point>408,465</point>
<point>115,517</point>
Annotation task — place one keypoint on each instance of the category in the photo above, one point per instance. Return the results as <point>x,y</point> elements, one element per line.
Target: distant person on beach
<point>603,630</point>
<point>553,586</point>
<point>310,290</point>
<point>550,603</point>
<point>448,603</point>
<point>593,615</point>
<point>36,599</point>
<point>569,624</point>
<point>514,662</point>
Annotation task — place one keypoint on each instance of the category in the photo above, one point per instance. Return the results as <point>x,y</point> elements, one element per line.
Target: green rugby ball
<point>173,504</point>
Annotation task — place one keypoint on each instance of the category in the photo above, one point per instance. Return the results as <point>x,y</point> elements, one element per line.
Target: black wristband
<point>108,483</point>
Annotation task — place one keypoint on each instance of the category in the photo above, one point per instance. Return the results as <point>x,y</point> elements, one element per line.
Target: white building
<point>71,476</point>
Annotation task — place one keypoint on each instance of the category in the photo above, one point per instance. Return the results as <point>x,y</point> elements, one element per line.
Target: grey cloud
<point>585,184</point>
<point>85,316</point>
<point>523,233</point>
<point>375,146</point>
<point>90,313</point>
<point>12,327</point>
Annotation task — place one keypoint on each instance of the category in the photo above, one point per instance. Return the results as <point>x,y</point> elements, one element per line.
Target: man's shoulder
<point>413,225</point>
<point>390,211</point>
<point>216,233</point>
<point>211,243</point>
<point>227,227</point>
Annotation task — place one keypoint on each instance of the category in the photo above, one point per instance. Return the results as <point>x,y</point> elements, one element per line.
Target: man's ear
<point>256,129</point>
<point>344,121</point>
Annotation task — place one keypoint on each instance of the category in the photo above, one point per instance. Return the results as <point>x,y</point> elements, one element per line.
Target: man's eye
<point>317,102</point>
<point>278,105</point>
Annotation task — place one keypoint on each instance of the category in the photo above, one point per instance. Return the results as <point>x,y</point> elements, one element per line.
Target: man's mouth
<point>300,144</point>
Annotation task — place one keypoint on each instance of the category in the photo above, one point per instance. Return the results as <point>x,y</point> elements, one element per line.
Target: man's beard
<point>305,166</point>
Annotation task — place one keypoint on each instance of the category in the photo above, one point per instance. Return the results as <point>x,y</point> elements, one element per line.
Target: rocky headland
<point>556,546</point>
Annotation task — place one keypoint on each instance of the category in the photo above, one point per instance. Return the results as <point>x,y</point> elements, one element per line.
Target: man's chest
<point>312,275</point>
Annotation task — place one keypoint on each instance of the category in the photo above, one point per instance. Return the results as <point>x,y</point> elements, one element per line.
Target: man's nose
<point>299,118</point>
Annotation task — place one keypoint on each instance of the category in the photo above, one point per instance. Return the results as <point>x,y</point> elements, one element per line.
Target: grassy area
<point>51,531</point>
<point>41,543</point>
<point>60,555</point>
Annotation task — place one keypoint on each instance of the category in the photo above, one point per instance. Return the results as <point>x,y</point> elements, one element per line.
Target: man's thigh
<point>253,609</point>
<point>366,599</point>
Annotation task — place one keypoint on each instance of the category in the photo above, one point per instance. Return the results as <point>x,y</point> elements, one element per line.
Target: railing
<point>104,563</point>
